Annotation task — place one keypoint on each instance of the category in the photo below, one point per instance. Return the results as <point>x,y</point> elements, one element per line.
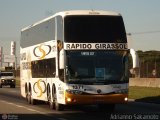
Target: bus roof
<point>87,12</point>
<point>75,12</point>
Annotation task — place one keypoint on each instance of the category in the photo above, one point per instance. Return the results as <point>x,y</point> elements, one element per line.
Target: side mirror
<point>135,58</point>
<point>61,59</point>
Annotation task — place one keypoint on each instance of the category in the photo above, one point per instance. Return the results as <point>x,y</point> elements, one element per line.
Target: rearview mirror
<point>61,59</point>
<point>135,58</point>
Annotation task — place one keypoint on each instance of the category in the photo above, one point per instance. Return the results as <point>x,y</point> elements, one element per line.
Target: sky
<point>141,18</point>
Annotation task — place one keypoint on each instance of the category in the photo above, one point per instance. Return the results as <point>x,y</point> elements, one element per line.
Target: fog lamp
<point>125,99</point>
<point>69,99</point>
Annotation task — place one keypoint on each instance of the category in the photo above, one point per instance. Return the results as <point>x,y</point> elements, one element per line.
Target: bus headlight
<point>74,91</point>
<point>125,99</point>
<point>69,99</point>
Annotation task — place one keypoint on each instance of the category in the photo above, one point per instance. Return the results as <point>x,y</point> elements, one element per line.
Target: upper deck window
<point>94,29</point>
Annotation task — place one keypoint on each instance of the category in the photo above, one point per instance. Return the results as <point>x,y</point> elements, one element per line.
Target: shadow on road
<point>154,99</point>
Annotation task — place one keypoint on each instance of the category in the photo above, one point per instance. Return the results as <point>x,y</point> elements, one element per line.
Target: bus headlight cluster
<point>125,99</point>
<point>13,80</point>
<point>123,91</point>
<point>74,91</point>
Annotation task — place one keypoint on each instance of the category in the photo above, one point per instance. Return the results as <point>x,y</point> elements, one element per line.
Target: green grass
<point>145,94</point>
<point>17,82</point>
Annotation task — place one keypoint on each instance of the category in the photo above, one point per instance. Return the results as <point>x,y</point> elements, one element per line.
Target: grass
<point>17,81</point>
<point>145,94</point>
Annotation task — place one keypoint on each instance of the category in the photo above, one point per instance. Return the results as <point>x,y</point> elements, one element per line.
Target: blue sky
<point>138,15</point>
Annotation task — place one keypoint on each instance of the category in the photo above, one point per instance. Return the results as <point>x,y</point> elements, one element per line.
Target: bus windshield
<point>97,67</point>
<point>94,29</point>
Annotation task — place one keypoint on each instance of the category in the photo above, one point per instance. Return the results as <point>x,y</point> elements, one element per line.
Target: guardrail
<point>145,82</point>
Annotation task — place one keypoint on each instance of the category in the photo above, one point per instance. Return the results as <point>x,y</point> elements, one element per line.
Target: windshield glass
<point>6,74</point>
<point>94,29</point>
<point>97,66</point>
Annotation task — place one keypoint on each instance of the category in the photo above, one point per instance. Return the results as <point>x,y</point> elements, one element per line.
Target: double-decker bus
<point>75,57</point>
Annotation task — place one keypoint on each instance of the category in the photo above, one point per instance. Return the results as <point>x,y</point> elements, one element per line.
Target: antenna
<point>145,32</point>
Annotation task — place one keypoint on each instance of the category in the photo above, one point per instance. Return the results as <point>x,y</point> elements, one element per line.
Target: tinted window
<point>43,68</point>
<point>97,66</point>
<point>98,29</point>
<point>38,34</point>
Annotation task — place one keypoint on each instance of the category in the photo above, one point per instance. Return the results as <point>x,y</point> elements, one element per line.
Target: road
<point>16,107</point>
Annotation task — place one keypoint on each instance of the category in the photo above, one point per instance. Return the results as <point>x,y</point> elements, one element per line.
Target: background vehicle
<point>7,78</point>
<point>76,57</point>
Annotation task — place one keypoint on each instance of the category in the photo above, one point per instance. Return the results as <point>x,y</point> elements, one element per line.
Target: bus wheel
<point>29,99</point>
<point>33,101</point>
<point>51,104</point>
<point>58,107</point>
<point>28,96</point>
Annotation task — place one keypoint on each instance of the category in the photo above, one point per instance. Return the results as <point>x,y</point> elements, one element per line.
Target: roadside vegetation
<point>17,82</point>
<point>145,94</point>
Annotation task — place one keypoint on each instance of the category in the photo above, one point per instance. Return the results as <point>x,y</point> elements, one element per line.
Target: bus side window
<point>51,68</point>
<point>43,68</point>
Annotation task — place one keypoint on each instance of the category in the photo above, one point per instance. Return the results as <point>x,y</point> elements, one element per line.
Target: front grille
<point>8,81</point>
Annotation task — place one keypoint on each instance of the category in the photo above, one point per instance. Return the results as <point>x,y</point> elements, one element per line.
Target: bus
<point>77,57</point>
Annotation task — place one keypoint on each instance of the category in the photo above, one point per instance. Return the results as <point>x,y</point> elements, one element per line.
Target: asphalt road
<point>13,106</point>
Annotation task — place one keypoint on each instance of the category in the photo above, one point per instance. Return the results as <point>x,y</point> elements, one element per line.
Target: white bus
<point>75,57</point>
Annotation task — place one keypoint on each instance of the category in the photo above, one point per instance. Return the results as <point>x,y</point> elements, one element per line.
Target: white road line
<point>62,119</point>
<point>24,107</point>
<point>13,91</point>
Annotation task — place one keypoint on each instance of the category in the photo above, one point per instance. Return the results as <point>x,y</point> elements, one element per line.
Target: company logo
<point>99,91</point>
<point>41,51</point>
<point>39,87</point>
<point>9,117</point>
<point>4,116</point>
<point>59,45</point>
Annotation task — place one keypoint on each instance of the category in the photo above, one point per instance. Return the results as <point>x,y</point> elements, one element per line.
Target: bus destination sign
<point>95,46</point>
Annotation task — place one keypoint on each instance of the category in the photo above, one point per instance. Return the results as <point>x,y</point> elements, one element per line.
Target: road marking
<point>30,109</point>
<point>62,119</point>
<point>13,91</point>
<point>21,106</point>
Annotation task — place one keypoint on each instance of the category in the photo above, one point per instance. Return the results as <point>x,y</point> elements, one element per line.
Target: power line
<point>146,32</point>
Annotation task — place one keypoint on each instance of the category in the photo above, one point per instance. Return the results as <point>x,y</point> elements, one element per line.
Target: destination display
<point>97,46</point>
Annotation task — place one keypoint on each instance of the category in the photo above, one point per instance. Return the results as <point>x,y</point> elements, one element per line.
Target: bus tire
<point>51,104</point>
<point>58,107</point>
<point>29,97</point>
<point>33,101</point>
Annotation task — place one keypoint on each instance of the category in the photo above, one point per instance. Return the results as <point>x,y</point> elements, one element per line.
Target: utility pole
<point>1,56</point>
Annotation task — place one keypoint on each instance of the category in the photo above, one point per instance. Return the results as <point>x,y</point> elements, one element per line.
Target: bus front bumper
<point>96,99</point>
